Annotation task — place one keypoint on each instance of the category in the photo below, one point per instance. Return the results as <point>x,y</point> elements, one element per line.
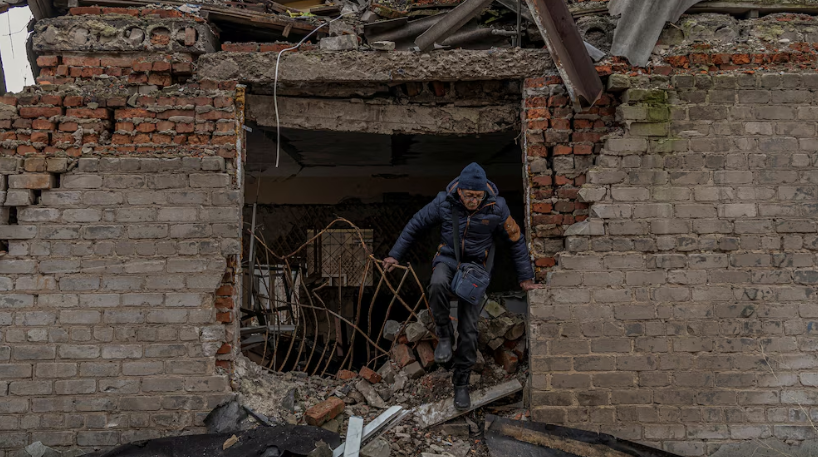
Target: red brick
<point>564,206</point>
<point>184,128</point>
<point>568,192</point>
<point>543,208</point>
<point>426,355</point>
<point>125,11</point>
<point>224,317</point>
<point>324,411</point>
<point>534,82</point>
<point>82,10</point>
<point>536,102</point>
<point>22,123</point>
<point>142,138</point>
<point>545,262</point>
<point>161,138</point>
<point>120,138</point>
<point>370,375</point>
<point>562,180</point>
<point>402,355</point>
<point>80,61</point>
<point>62,70</point>
<point>546,219</point>
<point>537,124</point>
<point>39,137</point>
<point>87,113</point>
<point>543,181</point>
<point>589,137</point>
<point>127,113</point>
<point>678,61</point>
<point>557,100</point>
<point>226,348</point>
<point>8,136</point>
<point>346,375</point>
<point>506,359</point>
<point>561,149</point>
<point>225,290</point>
<point>48,61</point>
<point>31,112</point>
<point>190,36</point>
<point>72,100</point>
<point>116,62</point>
<point>25,149</point>
<point>90,138</point>
<point>224,302</point>
<point>583,149</point>
<point>180,139</point>
<point>224,139</point>
<point>214,115</point>
<point>159,80</point>
<point>240,47</point>
<point>223,102</point>
<point>88,72</point>
<point>176,112</point>
<point>8,100</point>
<point>145,127</point>
<point>160,65</point>
<point>41,124</point>
<point>182,67</point>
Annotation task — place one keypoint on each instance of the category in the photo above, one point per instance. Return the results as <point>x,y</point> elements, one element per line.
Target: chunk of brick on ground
<point>370,375</point>
<point>402,355</point>
<point>414,370</point>
<point>324,411</point>
<point>506,359</point>
<point>426,355</point>
<point>345,375</point>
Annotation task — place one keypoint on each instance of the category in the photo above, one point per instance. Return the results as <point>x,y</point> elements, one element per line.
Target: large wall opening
<point>376,182</point>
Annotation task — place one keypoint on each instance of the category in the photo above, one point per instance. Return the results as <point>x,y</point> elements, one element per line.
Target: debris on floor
<point>506,437</point>
<point>291,440</point>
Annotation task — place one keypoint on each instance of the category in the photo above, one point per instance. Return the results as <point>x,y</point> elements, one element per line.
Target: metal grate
<point>339,256</point>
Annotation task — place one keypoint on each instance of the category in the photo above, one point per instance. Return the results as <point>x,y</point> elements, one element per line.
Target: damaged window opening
<point>338,203</point>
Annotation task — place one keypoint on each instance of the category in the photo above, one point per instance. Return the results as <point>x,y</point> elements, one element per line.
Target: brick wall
<point>121,222</point>
<point>681,312</point>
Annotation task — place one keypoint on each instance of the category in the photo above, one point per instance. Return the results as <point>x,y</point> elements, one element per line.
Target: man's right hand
<point>389,263</point>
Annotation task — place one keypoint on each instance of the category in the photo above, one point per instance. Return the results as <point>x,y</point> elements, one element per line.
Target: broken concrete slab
<point>498,327</point>
<point>441,411</point>
<point>494,309</point>
<point>377,448</point>
<point>383,45</point>
<point>386,67</point>
<point>355,115</point>
<point>339,43</point>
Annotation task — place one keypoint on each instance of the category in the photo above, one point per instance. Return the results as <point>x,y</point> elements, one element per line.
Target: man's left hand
<point>530,285</point>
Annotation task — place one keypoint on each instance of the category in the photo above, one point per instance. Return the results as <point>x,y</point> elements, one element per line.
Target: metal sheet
<point>640,25</point>
<point>451,23</point>
<point>567,49</point>
<point>387,419</point>
<point>355,431</point>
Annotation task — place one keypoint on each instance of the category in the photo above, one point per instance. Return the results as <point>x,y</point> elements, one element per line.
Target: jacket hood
<point>493,192</point>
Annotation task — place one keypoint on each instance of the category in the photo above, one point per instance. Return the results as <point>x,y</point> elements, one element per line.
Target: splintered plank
<point>441,411</point>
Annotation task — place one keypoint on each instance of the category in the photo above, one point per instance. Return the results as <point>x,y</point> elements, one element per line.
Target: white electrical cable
<point>275,85</point>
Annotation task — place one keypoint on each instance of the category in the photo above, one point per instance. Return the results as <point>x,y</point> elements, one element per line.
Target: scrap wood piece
<point>508,437</point>
<point>382,423</point>
<point>450,23</point>
<point>568,50</point>
<point>434,413</point>
<point>230,441</point>
<point>355,432</point>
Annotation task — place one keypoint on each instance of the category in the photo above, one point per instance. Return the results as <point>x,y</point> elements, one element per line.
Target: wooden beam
<point>441,411</point>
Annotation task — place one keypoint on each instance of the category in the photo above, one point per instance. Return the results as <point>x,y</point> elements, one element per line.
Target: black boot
<point>462,400</point>
<point>445,341</point>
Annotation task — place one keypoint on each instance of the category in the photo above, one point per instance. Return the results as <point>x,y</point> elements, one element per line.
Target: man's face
<point>471,198</point>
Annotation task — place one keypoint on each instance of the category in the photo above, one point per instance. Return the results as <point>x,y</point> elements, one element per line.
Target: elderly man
<point>481,214</point>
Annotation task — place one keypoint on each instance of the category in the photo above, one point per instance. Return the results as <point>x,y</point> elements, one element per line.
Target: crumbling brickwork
<point>121,225</point>
<point>681,312</point>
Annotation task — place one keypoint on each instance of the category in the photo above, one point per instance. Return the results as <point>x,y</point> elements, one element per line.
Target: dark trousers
<point>467,314</point>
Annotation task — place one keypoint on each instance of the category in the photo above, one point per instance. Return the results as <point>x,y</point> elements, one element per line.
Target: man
<point>482,215</point>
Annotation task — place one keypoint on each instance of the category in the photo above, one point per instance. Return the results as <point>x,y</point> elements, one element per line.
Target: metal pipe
<point>454,20</point>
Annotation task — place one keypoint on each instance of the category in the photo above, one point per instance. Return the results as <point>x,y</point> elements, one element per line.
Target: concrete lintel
<point>396,66</point>
<point>122,33</point>
<point>361,116</point>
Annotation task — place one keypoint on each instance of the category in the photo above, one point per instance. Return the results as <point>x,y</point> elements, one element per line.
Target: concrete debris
<point>377,448</point>
<point>415,332</point>
<point>372,398</point>
<point>383,45</point>
<point>38,449</point>
<point>387,372</point>
<point>414,370</point>
<point>498,327</point>
<point>322,449</point>
<point>228,417</point>
<point>339,43</point>
<point>494,309</point>
<point>391,330</point>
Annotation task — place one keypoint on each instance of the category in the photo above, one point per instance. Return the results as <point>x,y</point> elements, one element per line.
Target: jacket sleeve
<point>509,231</point>
<point>428,216</point>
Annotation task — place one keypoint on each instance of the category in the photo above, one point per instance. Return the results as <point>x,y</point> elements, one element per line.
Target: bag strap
<point>456,232</point>
<point>456,240</point>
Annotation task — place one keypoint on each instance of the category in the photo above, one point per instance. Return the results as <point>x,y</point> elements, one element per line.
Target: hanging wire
<point>275,84</point>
